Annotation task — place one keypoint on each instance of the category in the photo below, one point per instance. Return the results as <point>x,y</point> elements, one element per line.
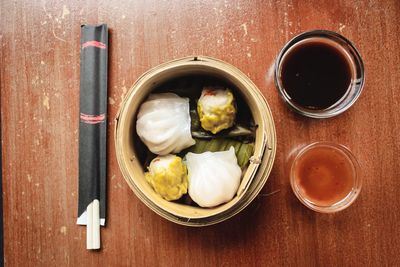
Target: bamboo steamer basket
<point>253,178</point>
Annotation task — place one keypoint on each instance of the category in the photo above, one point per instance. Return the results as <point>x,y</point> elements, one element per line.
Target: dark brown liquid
<point>315,74</point>
<point>324,175</point>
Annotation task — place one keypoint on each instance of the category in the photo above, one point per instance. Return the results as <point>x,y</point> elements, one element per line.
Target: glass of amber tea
<point>325,177</point>
<point>319,74</point>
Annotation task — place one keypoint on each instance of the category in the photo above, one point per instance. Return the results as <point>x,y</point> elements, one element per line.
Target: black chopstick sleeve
<point>93,117</point>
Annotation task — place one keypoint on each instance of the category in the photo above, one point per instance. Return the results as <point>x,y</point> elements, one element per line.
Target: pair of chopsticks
<point>93,131</point>
<point>93,225</point>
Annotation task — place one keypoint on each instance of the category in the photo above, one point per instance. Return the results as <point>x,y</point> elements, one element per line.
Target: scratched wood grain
<point>39,114</point>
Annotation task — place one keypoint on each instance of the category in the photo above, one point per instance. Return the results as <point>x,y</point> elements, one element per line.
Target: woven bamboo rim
<point>254,177</point>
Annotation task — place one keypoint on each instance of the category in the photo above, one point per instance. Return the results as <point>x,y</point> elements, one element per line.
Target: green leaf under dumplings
<point>243,151</point>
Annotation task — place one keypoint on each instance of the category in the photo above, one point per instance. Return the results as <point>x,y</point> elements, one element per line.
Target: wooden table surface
<point>39,114</point>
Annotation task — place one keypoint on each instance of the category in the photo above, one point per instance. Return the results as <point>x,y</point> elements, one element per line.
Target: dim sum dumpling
<point>214,177</point>
<point>168,176</point>
<point>216,109</point>
<point>163,123</point>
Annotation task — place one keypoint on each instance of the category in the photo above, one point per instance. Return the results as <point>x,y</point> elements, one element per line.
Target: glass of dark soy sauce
<point>319,74</point>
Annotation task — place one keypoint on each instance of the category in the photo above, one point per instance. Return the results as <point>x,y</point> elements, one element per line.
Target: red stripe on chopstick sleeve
<point>92,119</point>
<point>94,44</point>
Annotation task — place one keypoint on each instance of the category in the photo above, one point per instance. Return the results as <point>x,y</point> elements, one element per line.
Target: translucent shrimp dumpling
<point>214,177</point>
<point>163,123</point>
